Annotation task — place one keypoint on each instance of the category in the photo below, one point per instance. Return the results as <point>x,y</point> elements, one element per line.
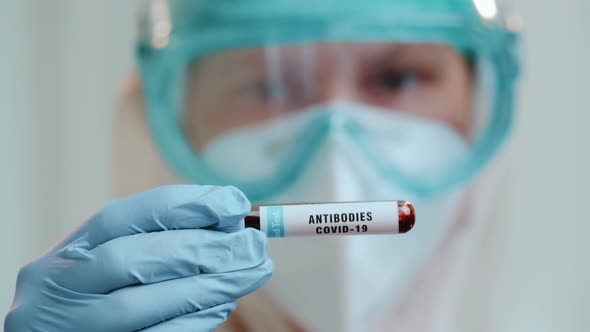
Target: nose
<point>337,77</point>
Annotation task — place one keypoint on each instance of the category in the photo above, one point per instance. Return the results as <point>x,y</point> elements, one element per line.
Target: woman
<point>332,101</point>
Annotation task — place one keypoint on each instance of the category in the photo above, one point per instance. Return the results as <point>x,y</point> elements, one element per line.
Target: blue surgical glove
<point>172,259</point>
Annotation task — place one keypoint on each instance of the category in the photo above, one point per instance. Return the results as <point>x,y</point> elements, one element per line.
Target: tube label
<point>330,219</point>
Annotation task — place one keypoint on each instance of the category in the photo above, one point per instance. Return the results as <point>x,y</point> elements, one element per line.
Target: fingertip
<point>270,267</point>
<point>232,206</point>
<point>257,276</point>
<point>223,311</point>
<point>254,250</point>
<point>229,307</point>
<point>267,268</point>
<point>242,202</point>
<point>258,235</point>
<point>259,240</point>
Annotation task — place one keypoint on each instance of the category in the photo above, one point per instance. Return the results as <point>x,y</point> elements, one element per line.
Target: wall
<point>533,270</point>
<point>61,63</point>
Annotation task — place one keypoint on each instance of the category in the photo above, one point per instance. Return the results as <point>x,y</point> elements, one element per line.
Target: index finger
<point>164,208</point>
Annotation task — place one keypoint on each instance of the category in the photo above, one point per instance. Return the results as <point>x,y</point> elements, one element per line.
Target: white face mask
<point>348,283</point>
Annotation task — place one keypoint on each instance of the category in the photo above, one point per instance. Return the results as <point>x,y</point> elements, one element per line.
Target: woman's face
<point>238,88</point>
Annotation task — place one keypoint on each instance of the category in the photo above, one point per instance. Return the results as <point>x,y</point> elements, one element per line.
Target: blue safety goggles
<point>209,74</point>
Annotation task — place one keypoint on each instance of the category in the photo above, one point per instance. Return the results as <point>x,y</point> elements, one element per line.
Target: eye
<point>395,80</point>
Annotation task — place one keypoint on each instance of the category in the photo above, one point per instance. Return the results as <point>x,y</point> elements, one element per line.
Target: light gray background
<point>61,63</point>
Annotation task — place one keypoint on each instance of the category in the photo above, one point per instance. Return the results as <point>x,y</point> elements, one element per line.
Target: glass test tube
<point>324,219</point>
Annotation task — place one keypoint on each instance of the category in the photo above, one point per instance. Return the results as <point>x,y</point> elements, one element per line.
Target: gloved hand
<point>172,259</point>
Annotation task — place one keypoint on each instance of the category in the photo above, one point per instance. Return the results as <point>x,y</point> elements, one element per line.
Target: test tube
<point>326,219</point>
